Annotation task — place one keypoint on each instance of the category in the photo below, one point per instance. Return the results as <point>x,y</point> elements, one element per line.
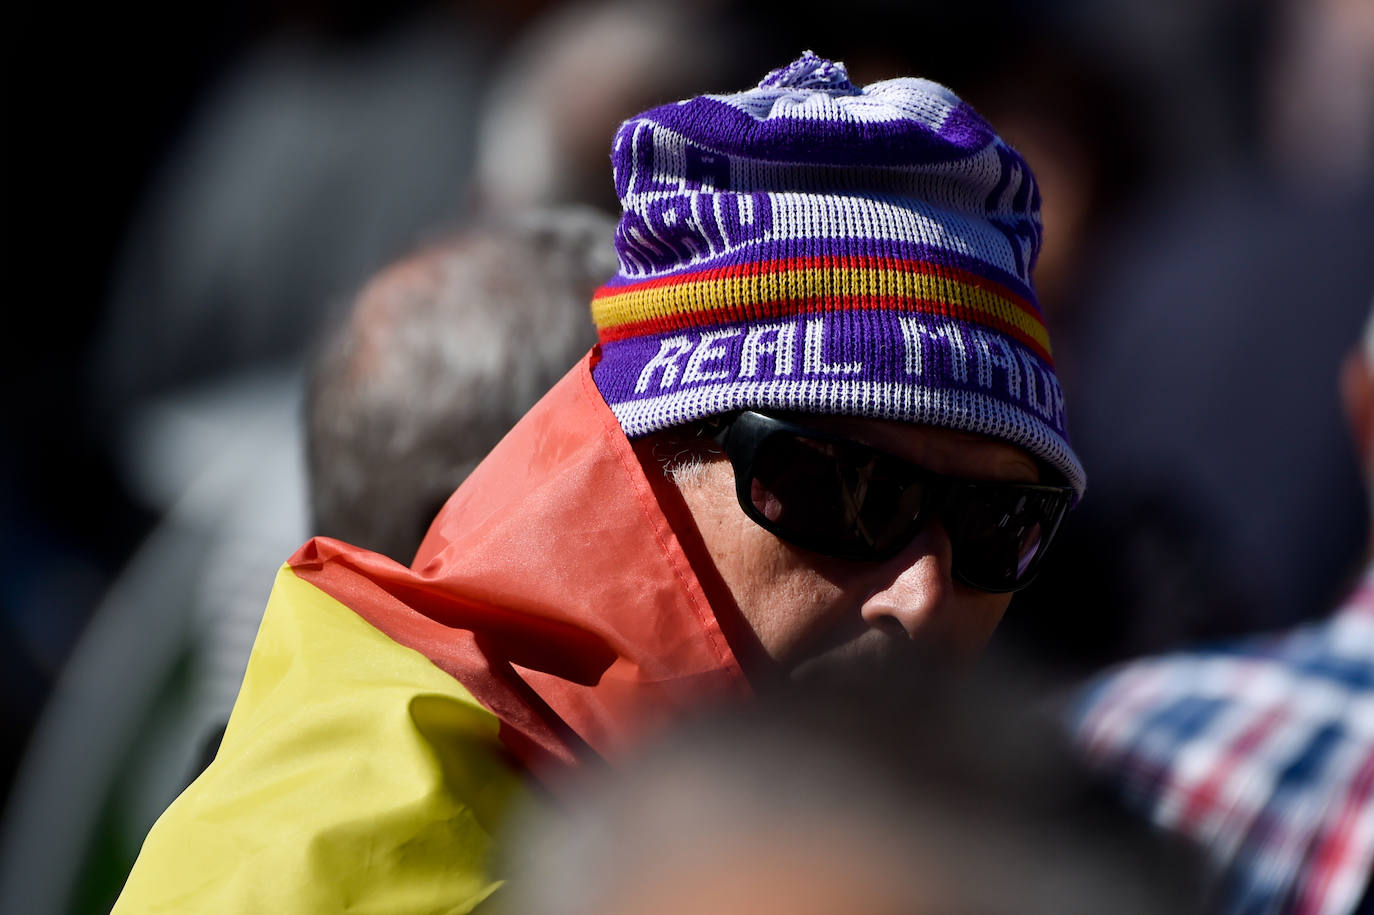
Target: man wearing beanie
<point>821,427</point>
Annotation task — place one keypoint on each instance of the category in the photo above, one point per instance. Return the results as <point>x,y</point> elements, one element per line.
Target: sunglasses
<point>838,497</point>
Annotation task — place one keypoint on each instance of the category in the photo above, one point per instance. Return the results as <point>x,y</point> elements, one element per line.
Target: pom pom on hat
<point>811,72</point>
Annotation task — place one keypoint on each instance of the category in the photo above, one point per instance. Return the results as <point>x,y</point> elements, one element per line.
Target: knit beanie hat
<point>814,246</point>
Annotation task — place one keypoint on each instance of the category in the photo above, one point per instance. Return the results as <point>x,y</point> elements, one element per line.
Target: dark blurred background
<point>193,190</point>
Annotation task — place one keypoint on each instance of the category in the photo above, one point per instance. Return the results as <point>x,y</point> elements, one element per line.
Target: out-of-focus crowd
<point>248,241</point>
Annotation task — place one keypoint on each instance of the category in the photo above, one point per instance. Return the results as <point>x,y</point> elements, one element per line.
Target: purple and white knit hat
<point>814,246</point>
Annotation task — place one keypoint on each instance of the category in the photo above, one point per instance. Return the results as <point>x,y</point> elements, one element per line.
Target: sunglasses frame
<point>741,435</point>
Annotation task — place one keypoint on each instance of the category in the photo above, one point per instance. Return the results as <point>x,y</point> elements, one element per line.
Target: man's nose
<point>915,586</point>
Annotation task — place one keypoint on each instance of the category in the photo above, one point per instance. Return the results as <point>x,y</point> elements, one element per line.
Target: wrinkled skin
<point>813,612</point>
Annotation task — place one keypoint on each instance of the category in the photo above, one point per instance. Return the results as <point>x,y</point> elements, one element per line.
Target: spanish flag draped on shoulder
<point>390,716</point>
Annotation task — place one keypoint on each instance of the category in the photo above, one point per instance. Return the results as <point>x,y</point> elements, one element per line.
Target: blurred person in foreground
<point>930,795</point>
<point>1261,750</point>
<point>821,429</point>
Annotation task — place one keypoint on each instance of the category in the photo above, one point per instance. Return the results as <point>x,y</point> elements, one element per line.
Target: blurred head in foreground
<point>929,797</point>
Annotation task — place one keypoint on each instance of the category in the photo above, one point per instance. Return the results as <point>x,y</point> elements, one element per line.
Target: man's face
<point>809,610</point>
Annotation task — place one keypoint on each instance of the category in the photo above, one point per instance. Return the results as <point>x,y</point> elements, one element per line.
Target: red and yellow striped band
<point>772,289</point>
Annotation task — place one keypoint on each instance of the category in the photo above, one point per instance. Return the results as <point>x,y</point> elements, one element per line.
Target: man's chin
<point>875,679</point>
<point>876,657</point>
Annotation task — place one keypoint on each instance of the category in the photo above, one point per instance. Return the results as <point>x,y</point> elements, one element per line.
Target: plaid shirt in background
<point>1262,750</point>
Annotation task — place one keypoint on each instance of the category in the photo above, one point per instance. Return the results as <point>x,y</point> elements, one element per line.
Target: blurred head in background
<point>1318,95</point>
<point>437,358</point>
<point>1357,398</point>
<point>574,75</point>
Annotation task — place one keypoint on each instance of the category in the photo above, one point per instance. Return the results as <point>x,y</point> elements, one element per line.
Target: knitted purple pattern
<point>815,246</point>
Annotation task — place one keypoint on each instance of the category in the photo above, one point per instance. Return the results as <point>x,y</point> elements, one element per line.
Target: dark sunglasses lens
<point>832,497</point>
<point>998,534</point>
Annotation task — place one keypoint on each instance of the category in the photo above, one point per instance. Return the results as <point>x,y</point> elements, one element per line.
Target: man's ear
<point>1357,399</point>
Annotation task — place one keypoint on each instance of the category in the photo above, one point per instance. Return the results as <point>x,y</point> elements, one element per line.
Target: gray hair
<point>439,356</point>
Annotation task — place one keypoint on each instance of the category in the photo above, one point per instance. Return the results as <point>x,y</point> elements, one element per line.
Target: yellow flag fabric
<point>392,716</point>
<point>354,776</point>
